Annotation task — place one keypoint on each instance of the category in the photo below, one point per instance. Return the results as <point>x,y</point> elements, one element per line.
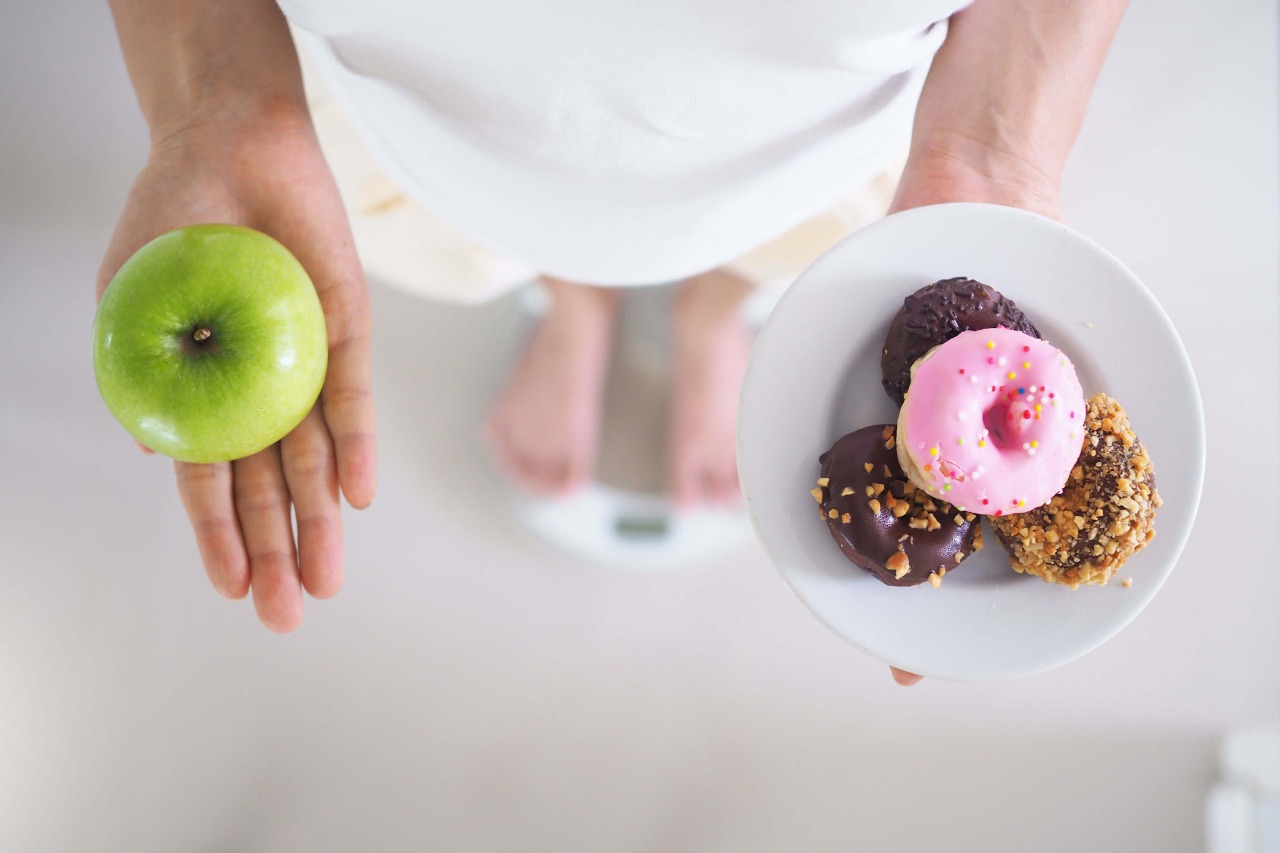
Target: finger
<point>149,212</point>
<point>144,448</point>
<point>206,494</point>
<point>123,244</point>
<point>318,234</point>
<point>312,477</point>
<point>347,398</point>
<point>262,505</point>
<point>906,679</point>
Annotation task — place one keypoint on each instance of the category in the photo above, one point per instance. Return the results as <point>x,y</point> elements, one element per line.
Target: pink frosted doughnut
<point>992,423</point>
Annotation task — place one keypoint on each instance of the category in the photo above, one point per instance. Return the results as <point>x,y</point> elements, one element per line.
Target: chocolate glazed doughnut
<point>881,521</point>
<point>937,313</point>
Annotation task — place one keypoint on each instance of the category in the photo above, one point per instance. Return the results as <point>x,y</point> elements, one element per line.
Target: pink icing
<point>993,422</point>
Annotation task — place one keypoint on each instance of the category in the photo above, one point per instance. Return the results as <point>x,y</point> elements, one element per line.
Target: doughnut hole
<point>1014,425</point>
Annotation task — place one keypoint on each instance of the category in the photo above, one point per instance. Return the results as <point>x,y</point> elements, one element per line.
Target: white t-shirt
<point>626,141</point>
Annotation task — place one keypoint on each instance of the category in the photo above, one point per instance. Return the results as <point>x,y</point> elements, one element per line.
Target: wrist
<point>949,166</point>
<point>197,64</point>
<point>231,122</point>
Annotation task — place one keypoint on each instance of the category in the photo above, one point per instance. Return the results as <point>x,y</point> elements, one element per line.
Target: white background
<point>471,690</point>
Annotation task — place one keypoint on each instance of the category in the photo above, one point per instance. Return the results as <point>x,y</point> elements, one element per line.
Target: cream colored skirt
<point>403,244</point>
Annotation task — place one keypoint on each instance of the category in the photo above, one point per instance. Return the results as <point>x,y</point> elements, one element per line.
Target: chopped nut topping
<point>890,444</point>
<point>867,466</point>
<point>871,493</point>
<point>1127,582</point>
<point>887,432</point>
<point>817,494</point>
<point>824,481</point>
<point>874,504</point>
<point>898,561</point>
<point>1102,516</point>
<point>832,514</point>
<point>846,518</point>
<point>846,491</point>
<point>877,488</point>
<point>935,580</point>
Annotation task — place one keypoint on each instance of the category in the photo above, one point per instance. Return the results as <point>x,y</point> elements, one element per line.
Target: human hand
<point>268,173</point>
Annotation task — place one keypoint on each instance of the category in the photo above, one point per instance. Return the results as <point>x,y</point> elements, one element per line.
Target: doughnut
<point>992,423</point>
<point>935,314</point>
<point>881,521</point>
<point>1103,516</point>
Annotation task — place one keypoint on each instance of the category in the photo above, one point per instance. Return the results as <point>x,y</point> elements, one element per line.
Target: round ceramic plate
<point>815,375</point>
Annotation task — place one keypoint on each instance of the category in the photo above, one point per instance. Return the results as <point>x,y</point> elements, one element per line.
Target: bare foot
<point>711,347</point>
<point>545,427</point>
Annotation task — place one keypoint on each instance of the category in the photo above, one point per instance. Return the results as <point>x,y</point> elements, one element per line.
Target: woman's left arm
<point>1002,105</point>
<point>1004,101</point>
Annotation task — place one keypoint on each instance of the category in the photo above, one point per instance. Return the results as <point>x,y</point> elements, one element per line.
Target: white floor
<point>471,690</point>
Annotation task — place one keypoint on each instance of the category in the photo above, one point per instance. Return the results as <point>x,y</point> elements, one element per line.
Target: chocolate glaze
<point>870,538</point>
<point>937,313</point>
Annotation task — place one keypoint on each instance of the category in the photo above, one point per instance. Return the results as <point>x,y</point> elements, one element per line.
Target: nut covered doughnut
<point>992,422</point>
<point>1104,515</point>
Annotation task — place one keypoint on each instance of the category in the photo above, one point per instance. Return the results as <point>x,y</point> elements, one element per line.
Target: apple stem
<point>202,334</point>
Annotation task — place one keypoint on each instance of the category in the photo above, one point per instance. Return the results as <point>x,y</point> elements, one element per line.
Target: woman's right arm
<point>194,62</point>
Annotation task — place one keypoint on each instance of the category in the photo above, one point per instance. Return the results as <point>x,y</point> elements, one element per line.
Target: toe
<point>491,434</point>
<point>504,455</point>
<point>543,475</point>
<point>555,476</point>
<point>577,472</point>
<point>727,492</point>
<point>683,483</point>
<point>533,474</point>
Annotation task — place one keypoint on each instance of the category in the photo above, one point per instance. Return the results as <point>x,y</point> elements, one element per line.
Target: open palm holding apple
<point>267,175</point>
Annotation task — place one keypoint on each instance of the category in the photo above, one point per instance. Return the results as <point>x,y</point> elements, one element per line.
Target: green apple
<point>210,343</point>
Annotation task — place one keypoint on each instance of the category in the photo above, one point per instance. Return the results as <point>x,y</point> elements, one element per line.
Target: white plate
<point>815,375</point>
